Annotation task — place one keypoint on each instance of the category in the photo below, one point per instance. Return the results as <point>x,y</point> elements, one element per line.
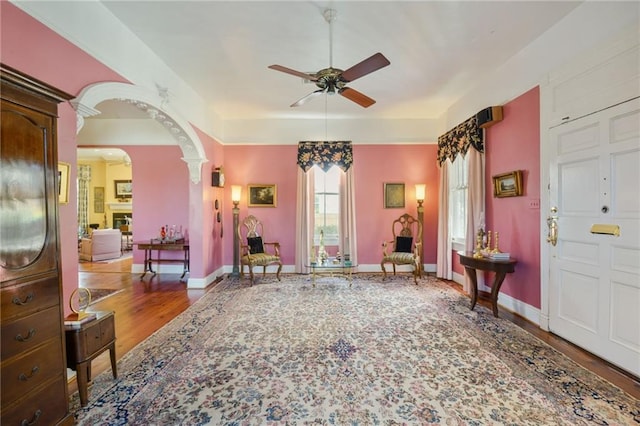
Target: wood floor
<point>142,307</point>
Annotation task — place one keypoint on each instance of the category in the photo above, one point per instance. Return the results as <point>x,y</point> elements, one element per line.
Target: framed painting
<point>508,184</point>
<point>123,188</point>
<point>63,182</point>
<point>262,195</point>
<point>393,195</point>
<point>98,199</point>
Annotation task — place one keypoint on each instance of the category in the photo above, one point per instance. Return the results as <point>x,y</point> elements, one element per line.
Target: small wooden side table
<point>85,342</point>
<point>500,267</point>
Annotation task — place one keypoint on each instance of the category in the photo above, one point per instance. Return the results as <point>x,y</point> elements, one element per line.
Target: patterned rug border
<point>580,389</point>
<point>99,294</point>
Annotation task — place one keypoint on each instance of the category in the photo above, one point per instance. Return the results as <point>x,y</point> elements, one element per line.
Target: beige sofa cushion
<point>103,244</point>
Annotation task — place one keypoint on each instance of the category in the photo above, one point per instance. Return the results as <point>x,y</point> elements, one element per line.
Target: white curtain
<point>475,205</point>
<point>305,215</point>
<point>348,240</point>
<point>84,179</point>
<point>443,262</point>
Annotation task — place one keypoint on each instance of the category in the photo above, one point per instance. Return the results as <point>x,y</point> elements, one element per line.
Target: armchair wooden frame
<point>405,226</point>
<point>251,227</point>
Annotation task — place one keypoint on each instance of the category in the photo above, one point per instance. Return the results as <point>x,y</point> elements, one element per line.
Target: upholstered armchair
<point>405,247</point>
<point>254,251</point>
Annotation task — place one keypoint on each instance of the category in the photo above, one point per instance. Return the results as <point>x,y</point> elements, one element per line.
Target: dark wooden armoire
<point>33,371</point>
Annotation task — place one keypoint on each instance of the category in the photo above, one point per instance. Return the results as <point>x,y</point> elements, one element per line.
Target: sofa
<point>102,245</point>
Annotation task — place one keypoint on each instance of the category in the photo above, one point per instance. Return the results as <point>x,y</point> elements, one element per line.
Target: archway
<point>155,106</point>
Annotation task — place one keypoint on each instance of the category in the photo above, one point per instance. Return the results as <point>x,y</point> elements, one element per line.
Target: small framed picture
<point>393,195</point>
<point>261,195</point>
<point>508,184</point>
<point>123,188</point>
<point>63,182</point>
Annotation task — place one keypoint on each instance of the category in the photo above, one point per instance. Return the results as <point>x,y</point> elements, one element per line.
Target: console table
<point>150,246</point>
<point>500,267</point>
<point>85,342</point>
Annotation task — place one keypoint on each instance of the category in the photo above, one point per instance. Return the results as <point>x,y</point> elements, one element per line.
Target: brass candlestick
<point>477,253</point>
<point>495,248</point>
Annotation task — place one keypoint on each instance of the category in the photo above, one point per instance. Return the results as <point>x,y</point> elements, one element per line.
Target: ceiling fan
<point>333,80</point>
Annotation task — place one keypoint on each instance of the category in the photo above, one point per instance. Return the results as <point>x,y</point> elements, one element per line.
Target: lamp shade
<point>236,192</point>
<point>420,191</point>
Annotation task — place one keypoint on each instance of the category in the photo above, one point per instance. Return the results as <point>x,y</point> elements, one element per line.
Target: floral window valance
<point>325,155</point>
<point>459,139</point>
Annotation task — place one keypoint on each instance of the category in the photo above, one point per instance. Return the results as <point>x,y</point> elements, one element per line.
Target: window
<point>327,205</point>
<point>458,189</point>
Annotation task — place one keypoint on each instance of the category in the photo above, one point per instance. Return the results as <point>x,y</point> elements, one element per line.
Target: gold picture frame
<point>261,195</point>
<point>63,182</point>
<point>394,195</point>
<point>123,188</point>
<point>508,184</point>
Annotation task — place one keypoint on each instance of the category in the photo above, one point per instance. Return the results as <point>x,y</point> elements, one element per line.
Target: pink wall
<point>373,165</point>
<point>273,164</point>
<point>31,47</point>
<point>379,164</point>
<point>514,144</point>
<point>210,241</point>
<point>159,198</point>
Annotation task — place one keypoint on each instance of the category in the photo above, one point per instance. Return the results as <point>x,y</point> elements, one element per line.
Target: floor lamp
<point>236,192</point>
<point>420,193</point>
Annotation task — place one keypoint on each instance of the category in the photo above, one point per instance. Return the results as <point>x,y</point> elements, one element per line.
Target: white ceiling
<point>437,50</point>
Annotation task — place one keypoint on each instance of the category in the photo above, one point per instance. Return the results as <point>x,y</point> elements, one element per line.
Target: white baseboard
<point>525,310</point>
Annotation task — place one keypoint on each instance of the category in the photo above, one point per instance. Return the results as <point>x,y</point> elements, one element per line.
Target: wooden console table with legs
<point>85,342</point>
<point>500,267</point>
<point>150,246</point>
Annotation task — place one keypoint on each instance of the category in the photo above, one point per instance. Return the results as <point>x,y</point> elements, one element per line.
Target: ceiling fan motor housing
<point>330,79</point>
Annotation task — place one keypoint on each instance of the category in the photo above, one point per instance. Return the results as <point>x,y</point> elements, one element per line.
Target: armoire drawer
<point>24,299</point>
<point>27,333</point>
<point>23,374</point>
<point>46,405</point>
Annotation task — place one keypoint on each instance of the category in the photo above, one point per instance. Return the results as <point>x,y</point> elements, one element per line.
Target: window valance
<point>325,155</point>
<point>459,139</point>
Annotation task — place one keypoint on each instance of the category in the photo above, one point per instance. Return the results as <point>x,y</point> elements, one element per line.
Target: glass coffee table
<point>332,267</point>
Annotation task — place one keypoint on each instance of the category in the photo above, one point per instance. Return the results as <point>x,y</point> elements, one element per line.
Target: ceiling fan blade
<point>369,65</point>
<point>293,72</point>
<point>307,98</point>
<point>357,97</point>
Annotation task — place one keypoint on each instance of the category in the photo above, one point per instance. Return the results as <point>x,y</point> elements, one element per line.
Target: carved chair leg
<point>384,271</point>
<point>394,269</point>
<point>278,271</point>
<point>251,274</point>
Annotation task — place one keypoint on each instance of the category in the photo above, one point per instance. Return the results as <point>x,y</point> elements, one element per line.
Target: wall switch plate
<point>534,203</point>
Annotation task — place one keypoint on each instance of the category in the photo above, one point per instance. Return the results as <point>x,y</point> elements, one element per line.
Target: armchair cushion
<point>255,245</point>
<point>403,244</point>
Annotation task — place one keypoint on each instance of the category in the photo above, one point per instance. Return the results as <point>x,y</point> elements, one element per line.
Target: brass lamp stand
<point>420,193</point>
<point>236,191</point>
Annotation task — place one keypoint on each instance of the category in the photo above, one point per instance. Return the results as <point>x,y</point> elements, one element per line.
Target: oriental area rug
<point>373,353</point>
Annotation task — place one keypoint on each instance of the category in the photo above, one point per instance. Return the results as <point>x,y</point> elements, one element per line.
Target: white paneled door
<point>594,283</point>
